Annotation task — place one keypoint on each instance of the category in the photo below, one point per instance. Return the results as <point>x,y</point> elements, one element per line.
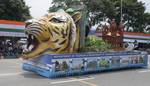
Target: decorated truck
<point>56,48</point>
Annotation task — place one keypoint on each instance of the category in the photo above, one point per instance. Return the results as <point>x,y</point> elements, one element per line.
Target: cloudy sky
<point>40,7</point>
<point>147,4</point>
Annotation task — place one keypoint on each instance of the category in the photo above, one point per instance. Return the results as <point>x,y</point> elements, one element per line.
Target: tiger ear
<point>76,16</point>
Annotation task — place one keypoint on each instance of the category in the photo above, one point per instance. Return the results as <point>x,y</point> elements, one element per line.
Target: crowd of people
<point>10,49</point>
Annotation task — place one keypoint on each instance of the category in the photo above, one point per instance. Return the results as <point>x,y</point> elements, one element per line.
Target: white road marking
<point>10,74</point>
<point>74,80</point>
<point>88,83</point>
<point>144,71</point>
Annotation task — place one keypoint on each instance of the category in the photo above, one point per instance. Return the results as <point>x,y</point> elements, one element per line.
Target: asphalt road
<point>11,74</point>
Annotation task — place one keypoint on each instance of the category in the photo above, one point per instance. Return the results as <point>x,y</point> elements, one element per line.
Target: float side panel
<point>78,64</point>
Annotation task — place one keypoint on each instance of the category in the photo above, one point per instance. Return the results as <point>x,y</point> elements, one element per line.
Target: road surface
<point>11,74</point>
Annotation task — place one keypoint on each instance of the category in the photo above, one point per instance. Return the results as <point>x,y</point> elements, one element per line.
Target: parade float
<point>54,48</point>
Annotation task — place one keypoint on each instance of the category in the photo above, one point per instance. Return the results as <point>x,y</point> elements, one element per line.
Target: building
<point>12,28</point>
<point>142,39</point>
<point>11,32</point>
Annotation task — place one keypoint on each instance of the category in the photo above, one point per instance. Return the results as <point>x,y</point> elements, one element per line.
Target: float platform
<point>59,65</point>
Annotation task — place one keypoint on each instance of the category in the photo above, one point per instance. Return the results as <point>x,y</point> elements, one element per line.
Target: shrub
<point>95,44</point>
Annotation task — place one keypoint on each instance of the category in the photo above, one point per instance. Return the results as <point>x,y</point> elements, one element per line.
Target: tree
<point>14,10</point>
<point>63,4</point>
<point>133,15</point>
<point>147,22</point>
<point>133,12</point>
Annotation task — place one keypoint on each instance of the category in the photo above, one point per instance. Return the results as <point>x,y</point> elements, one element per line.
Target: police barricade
<point>58,65</point>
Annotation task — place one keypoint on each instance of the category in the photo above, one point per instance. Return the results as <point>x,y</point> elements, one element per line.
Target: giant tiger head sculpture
<point>53,33</point>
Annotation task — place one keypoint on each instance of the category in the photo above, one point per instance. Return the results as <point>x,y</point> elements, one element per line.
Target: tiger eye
<point>55,20</point>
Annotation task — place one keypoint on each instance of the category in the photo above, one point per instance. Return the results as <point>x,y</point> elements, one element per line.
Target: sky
<point>147,5</point>
<point>40,7</point>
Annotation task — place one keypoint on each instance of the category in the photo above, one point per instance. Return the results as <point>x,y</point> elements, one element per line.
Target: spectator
<point>9,49</point>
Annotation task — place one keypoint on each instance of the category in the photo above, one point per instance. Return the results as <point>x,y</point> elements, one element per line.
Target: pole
<point>121,12</point>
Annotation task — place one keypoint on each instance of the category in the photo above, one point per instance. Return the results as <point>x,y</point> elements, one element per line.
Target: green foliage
<point>104,63</point>
<point>95,44</point>
<point>64,4</point>
<point>147,22</point>
<point>14,10</point>
<point>133,12</point>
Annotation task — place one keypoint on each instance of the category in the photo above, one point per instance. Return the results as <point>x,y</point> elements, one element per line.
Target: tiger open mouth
<point>32,43</point>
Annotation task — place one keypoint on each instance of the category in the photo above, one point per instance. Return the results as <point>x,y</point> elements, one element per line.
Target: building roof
<point>132,36</point>
<point>12,28</point>
<point>137,34</point>
<point>11,22</point>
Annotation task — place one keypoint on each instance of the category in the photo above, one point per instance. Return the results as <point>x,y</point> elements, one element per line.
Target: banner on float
<point>96,63</point>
